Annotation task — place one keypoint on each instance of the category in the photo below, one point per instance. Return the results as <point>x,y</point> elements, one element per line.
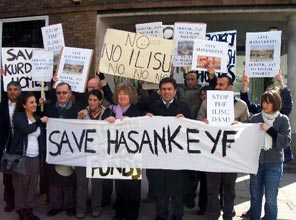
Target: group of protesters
<point>66,189</point>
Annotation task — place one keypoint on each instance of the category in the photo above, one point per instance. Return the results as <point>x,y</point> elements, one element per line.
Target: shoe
<point>80,215</point>
<point>147,200</point>
<point>95,214</point>
<point>53,212</point>
<point>263,218</point>
<point>70,212</point>
<point>44,199</point>
<point>8,207</point>
<point>189,203</point>
<point>32,215</point>
<point>23,214</point>
<point>233,212</point>
<point>246,214</point>
<point>201,212</point>
<point>106,201</point>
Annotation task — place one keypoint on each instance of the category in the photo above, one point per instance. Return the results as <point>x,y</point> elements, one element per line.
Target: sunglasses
<point>62,92</point>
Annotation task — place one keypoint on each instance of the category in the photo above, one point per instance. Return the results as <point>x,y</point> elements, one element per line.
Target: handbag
<point>13,163</point>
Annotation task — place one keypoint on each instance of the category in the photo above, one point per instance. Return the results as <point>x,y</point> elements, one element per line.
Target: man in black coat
<point>6,112</point>
<point>169,183</point>
<point>62,178</point>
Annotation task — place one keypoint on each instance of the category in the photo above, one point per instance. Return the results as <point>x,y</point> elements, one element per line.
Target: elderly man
<point>6,111</point>
<point>241,114</point>
<point>62,178</point>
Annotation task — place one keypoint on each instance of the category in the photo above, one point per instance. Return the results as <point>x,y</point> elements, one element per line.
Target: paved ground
<point>286,203</point>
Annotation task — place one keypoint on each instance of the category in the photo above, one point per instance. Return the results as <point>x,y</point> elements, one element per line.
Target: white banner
<point>263,54</point>
<point>42,65</point>
<point>155,143</point>
<point>153,29</point>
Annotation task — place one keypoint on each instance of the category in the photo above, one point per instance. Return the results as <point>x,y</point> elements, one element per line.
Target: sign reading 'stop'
<point>136,56</point>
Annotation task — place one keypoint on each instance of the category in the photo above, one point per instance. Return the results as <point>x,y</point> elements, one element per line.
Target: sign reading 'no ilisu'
<point>136,56</point>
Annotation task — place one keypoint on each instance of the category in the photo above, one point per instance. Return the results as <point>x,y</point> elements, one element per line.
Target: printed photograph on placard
<point>185,48</point>
<point>207,61</point>
<point>261,53</point>
<point>73,67</point>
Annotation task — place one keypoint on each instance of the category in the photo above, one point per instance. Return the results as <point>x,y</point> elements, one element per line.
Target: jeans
<point>267,180</point>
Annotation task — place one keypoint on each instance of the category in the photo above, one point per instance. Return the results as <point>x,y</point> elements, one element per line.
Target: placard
<point>153,29</point>
<point>42,65</point>
<point>74,67</point>
<point>136,56</point>
<point>209,54</point>
<point>263,51</point>
<point>220,107</point>
<point>17,64</point>
<point>184,35</point>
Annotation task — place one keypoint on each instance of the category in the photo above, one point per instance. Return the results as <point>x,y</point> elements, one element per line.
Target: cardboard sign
<point>136,56</point>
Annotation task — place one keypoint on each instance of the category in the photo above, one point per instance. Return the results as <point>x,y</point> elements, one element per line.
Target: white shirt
<point>11,108</point>
<point>33,146</point>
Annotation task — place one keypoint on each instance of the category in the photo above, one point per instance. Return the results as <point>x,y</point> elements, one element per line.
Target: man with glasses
<point>6,111</point>
<point>62,178</point>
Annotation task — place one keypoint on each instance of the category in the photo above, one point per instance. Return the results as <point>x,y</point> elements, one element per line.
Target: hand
<point>180,116</point>
<point>211,72</point>
<point>44,119</point>
<point>245,81</point>
<point>205,120</point>
<point>235,123</point>
<point>110,119</point>
<point>41,101</point>
<point>279,78</point>
<point>264,127</point>
<point>149,114</point>
<point>81,115</point>
<point>2,71</point>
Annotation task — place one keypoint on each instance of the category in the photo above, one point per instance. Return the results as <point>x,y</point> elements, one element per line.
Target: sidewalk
<point>286,203</point>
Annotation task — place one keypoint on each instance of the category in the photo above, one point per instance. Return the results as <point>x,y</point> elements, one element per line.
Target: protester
<point>62,178</point>
<point>94,111</point>
<point>277,136</point>
<point>28,139</point>
<point>241,114</point>
<point>168,184</point>
<point>287,104</point>
<point>7,108</point>
<point>128,192</point>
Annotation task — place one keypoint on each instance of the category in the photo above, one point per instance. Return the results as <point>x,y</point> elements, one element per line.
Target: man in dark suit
<point>62,178</point>
<point>168,184</point>
<point>6,112</point>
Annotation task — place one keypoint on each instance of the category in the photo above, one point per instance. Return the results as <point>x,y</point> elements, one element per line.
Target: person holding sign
<point>277,137</point>
<point>287,104</point>
<point>241,114</point>
<point>94,111</point>
<point>29,140</point>
<point>62,178</point>
<point>128,192</point>
<point>168,184</point>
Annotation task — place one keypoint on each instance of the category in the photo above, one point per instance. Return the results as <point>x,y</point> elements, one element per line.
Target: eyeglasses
<point>62,92</point>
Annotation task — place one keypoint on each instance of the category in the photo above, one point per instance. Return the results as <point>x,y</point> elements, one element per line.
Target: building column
<point>291,75</point>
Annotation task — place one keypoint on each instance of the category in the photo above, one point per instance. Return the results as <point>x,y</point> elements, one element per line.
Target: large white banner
<point>154,142</point>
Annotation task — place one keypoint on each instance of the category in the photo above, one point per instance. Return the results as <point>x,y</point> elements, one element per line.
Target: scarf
<point>268,119</point>
<point>118,110</point>
<point>94,114</point>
